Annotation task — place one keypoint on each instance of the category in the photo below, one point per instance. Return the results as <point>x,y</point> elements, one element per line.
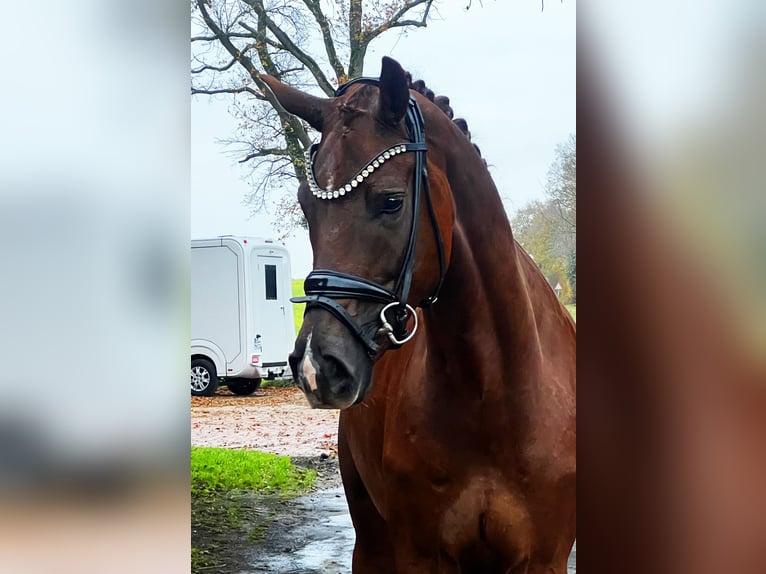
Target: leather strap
<point>345,286</point>
<point>339,311</point>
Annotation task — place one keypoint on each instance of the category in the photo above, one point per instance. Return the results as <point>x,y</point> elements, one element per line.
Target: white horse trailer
<point>242,326</point>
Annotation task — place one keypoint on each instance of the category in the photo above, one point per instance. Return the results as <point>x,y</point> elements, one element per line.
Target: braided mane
<point>442,102</point>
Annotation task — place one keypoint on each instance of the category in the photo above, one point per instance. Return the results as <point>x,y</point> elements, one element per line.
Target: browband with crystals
<point>371,166</point>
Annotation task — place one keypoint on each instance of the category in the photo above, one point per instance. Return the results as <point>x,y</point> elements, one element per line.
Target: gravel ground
<point>276,420</point>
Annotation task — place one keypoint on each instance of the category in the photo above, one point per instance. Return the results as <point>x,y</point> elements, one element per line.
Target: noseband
<point>323,286</point>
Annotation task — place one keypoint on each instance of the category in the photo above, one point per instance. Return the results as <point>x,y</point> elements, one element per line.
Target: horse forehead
<point>350,119</point>
<point>354,109</point>
<point>341,154</point>
<point>361,97</point>
<point>347,145</point>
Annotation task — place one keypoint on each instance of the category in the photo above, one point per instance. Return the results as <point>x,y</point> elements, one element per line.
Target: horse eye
<point>393,204</point>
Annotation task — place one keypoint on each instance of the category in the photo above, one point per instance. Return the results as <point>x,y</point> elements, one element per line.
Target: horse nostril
<point>335,369</point>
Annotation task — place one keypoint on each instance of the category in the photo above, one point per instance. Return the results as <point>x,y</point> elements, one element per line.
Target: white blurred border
<point>94,212</point>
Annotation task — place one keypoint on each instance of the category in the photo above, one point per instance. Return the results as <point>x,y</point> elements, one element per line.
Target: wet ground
<point>316,537</point>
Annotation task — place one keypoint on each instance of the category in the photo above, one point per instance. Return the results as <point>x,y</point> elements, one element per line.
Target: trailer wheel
<point>244,387</point>
<point>204,379</point>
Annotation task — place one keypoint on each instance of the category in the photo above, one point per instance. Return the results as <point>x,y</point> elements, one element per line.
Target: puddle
<point>315,536</point>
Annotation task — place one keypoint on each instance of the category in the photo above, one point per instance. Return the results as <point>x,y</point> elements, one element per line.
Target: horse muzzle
<point>331,378</point>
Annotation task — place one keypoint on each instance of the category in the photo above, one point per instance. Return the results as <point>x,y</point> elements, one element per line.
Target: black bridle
<point>323,286</point>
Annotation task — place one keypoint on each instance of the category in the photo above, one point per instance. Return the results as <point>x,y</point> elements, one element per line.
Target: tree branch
<point>290,46</point>
<point>264,152</point>
<point>214,38</point>
<point>329,44</point>
<point>214,68</point>
<point>356,59</point>
<point>295,125</point>
<point>263,53</point>
<point>289,70</point>
<point>247,89</point>
<point>294,149</point>
<point>395,20</point>
<point>274,44</point>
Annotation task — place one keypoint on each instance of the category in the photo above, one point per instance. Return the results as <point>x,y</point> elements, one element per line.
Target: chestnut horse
<point>457,429</point>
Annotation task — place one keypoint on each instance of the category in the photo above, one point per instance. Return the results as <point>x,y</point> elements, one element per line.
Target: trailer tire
<point>204,379</point>
<point>244,387</point>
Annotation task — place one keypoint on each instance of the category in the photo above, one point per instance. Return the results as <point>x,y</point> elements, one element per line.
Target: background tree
<point>311,44</point>
<point>548,229</point>
<point>572,274</point>
<point>535,228</point>
<point>561,185</point>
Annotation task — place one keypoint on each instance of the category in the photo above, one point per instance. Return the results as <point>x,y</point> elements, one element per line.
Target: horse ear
<point>305,106</point>
<point>394,92</point>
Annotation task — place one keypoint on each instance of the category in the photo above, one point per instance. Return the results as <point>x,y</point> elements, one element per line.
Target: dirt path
<point>275,420</point>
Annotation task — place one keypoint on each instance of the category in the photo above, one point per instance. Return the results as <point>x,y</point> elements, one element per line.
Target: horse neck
<point>484,312</point>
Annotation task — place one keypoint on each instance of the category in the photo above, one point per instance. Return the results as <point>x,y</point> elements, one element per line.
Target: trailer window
<point>271,282</point>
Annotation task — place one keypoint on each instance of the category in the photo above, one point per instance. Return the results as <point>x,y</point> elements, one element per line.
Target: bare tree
<point>312,44</point>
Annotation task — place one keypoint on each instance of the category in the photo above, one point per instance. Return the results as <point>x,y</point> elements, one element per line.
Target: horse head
<point>380,222</point>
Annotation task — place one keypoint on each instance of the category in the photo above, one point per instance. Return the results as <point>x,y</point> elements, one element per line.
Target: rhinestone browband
<point>374,164</point>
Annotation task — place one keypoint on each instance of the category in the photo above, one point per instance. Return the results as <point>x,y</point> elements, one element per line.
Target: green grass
<point>298,307</point>
<point>221,469</point>
<point>278,383</point>
<point>572,311</point>
<point>202,559</point>
<point>226,487</point>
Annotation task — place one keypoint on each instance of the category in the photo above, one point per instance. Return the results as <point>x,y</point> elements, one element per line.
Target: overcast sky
<point>508,69</point>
